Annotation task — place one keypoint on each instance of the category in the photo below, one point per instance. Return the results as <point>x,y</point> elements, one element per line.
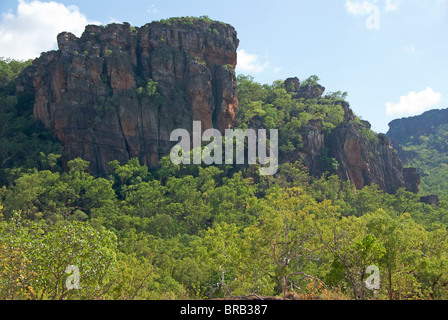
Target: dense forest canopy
<point>202,232</point>
<point>428,151</point>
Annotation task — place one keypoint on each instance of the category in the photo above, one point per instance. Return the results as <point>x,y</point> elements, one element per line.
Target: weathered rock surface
<point>310,92</point>
<point>367,161</point>
<point>292,84</point>
<point>363,157</point>
<point>95,91</point>
<point>118,92</point>
<point>431,200</point>
<point>313,144</point>
<point>405,130</point>
<point>401,130</point>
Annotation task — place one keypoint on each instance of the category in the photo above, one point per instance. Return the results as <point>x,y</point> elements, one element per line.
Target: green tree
<point>353,250</point>
<point>35,258</point>
<point>284,237</point>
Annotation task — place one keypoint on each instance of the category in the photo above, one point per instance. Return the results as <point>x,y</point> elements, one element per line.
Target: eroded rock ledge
<point>118,91</point>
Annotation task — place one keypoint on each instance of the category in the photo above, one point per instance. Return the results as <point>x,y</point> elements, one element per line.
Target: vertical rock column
<point>93,91</point>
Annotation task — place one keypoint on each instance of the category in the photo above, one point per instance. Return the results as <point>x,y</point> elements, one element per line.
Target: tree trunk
<point>390,284</point>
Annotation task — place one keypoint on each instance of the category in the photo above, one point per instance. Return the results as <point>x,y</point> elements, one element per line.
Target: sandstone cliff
<point>409,130</point>
<point>422,141</point>
<point>401,130</point>
<point>363,157</point>
<point>117,92</point>
<point>367,160</point>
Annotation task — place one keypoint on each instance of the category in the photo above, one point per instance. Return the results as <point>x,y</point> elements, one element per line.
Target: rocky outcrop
<point>292,84</point>
<point>412,179</point>
<point>402,130</point>
<point>362,156</point>
<point>305,91</point>
<point>431,200</point>
<point>369,159</point>
<point>310,92</point>
<point>118,92</point>
<point>313,143</point>
<point>409,130</point>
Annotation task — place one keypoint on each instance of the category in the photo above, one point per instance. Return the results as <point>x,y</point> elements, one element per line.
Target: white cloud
<point>250,62</point>
<point>391,5</point>
<point>359,8</point>
<point>412,50</point>
<point>152,9</point>
<point>409,49</point>
<point>414,102</point>
<point>35,26</point>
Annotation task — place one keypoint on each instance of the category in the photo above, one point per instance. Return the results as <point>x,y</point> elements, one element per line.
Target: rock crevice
<point>118,91</point>
<point>362,156</point>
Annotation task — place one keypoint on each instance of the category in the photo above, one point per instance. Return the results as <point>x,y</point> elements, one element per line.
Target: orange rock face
<point>365,162</point>
<point>93,92</point>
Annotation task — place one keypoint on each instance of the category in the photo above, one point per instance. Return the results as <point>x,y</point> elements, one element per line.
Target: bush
<point>108,53</point>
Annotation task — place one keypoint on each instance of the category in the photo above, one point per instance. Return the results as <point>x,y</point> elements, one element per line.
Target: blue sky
<point>389,55</point>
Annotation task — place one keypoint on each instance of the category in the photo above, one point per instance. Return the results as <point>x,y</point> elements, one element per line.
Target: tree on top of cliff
<point>190,21</point>
<point>21,142</point>
<point>311,81</point>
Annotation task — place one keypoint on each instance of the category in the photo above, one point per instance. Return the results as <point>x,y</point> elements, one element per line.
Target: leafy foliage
<point>274,106</point>
<point>35,258</point>
<point>22,144</point>
<point>429,154</point>
<point>186,231</point>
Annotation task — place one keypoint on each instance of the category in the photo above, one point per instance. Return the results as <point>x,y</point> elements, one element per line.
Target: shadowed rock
<point>97,91</point>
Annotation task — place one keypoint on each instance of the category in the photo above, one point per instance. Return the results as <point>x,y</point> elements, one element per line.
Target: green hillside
<point>205,232</point>
<point>422,142</point>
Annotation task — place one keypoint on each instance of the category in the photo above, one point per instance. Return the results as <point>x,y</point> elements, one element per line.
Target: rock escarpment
<point>409,130</point>
<point>404,129</point>
<point>362,156</point>
<point>367,160</point>
<point>421,140</point>
<point>118,92</point>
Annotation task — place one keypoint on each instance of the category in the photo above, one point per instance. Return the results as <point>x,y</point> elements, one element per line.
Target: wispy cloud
<point>358,8</point>
<point>35,26</point>
<point>250,62</point>
<point>152,9</point>
<point>412,50</point>
<point>414,102</point>
<point>391,5</point>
